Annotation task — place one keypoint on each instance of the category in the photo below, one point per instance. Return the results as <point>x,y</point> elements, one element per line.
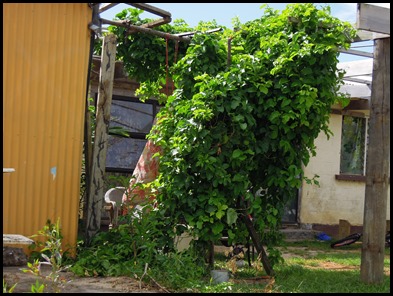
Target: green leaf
<point>263,89</point>
<point>285,102</point>
<point>238,177</point>
<point>118,131</point>
<point>237,153</point>
<point>199,224</point>
<point>243,126</point>
<point>274,134</point>
<point>217,228</point>
<point>275,115</point>
<point>239,118</point>
<point>231,216</point>
<point>235,104</point>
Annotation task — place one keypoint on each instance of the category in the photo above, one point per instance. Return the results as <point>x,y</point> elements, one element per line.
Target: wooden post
<point>88,138</point>
<point>257,243</point>
<point>103,111</point>
<point>210,253</point>
<point>344,228</point>
<point>377,170</point>
<point>88,156</point>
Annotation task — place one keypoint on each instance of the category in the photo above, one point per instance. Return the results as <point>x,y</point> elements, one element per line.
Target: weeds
<point>312,267</point>
<point>325,271</point>
<point>37,287</point>
<point>52,253</point>
<point>6,289</point>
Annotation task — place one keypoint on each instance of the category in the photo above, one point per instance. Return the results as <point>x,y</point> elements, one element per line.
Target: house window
<point>135,117</point>
<point>353,145</point>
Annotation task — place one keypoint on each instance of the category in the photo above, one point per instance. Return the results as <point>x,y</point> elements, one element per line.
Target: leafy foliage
<point>132,247</point>
<point>231,129</point>
<point>52,253</point>
<point>146,57</point>
<point>119,251</point>
<point>135,49</point>
<point>6,289</point>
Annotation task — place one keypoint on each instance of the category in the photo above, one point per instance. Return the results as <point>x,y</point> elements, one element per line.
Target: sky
<point>223,13</point>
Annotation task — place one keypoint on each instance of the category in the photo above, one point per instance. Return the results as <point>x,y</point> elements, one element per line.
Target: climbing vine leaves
<point>232,128</point>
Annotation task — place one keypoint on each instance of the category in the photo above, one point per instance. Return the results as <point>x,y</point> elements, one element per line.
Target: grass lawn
<point>309,267</point>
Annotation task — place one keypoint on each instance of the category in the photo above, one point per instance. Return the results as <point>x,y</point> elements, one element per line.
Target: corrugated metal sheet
<point>45,65</point>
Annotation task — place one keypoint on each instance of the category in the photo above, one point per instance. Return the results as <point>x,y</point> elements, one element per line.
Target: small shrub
<point>52,253</point>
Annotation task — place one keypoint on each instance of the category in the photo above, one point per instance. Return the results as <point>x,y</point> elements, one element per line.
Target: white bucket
<point>219,276</point>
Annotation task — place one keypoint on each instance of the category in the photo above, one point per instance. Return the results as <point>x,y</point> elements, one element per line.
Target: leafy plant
<point>50,249</point>
<point>37,287</point>
<point>6,289</point>
<point>181,270</point>
<point>229,130</point>
<point>146,65</point>
<point>121,250</point>
<point>241,119</point>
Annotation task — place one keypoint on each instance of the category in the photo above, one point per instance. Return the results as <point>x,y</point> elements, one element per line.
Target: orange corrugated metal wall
<point>45,65</point>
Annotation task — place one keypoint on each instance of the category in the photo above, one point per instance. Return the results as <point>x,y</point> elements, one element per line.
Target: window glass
<point>353,142</point>
<point>136,118</point>
<point>124,153</point>
<point>133,116</point>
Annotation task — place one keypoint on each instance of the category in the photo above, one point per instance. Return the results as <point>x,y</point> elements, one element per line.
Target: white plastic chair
<point>113,201</point>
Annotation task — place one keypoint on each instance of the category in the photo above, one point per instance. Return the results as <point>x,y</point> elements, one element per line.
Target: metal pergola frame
<point>372,22</point>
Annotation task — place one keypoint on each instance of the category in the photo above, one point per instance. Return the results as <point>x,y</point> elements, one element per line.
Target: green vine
<point>230,129</point>
<point>144,55</point>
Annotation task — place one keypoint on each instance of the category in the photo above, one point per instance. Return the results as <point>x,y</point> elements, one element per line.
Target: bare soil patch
<point>75,284</point>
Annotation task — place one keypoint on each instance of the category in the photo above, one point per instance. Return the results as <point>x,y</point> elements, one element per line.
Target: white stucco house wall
<point>339,195</point>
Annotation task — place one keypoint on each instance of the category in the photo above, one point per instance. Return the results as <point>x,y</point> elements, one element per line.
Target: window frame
<point>352,176</point>
<point>133,135</point>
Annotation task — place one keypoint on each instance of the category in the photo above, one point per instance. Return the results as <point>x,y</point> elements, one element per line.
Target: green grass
<point>323,270</point>
<point>293,277</point>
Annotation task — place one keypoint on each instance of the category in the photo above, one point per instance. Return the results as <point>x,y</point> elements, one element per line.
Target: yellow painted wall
<point>333,199</point>
<point>45,66</point>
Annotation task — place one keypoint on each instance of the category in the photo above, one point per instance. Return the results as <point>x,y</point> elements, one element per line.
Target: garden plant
<point>246,108</point>
<point>49,245</point>
<point>239,122</point>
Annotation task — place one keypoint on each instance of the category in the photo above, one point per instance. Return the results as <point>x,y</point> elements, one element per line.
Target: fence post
<point>103,112</point>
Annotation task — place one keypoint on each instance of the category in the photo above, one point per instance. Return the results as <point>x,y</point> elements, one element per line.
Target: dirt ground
<point>74,284</point>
